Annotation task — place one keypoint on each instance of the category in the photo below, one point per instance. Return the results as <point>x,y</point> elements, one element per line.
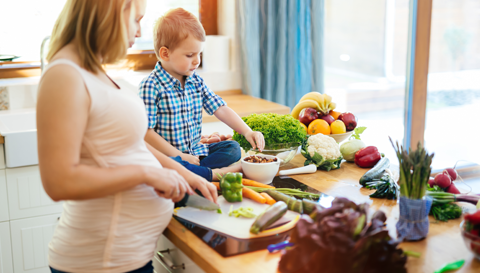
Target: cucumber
<point>268,217</point>
<point>376,172</point>
<point>278,196</point>
<point>308,206</point>
<point>293,203</point>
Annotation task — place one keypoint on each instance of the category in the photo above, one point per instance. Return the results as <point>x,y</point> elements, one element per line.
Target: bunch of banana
<point>322,102</point>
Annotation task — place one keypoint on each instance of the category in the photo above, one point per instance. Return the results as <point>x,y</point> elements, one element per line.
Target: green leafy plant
<point>357,132</point>
<point>275,128</point>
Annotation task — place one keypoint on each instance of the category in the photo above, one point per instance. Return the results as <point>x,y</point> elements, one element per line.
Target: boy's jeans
<point>220,154</point>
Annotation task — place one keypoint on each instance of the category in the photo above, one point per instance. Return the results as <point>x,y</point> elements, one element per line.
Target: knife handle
<point>279,246</point>
<point>306,169</point>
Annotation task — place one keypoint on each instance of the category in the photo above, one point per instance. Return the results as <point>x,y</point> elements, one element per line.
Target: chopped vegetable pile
<point>241,211</point>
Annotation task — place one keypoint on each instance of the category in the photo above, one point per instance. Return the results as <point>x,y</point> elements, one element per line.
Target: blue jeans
<point>148,268</point>
<point>220,154</point>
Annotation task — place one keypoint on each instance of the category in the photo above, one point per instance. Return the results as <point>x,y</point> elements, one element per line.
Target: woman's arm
<point>208,190</point>
<point>62,113</point>
<point>229,117</point>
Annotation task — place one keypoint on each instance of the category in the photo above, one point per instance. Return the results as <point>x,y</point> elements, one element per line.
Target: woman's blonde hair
<point>174,27</point>
<point>98,27</point>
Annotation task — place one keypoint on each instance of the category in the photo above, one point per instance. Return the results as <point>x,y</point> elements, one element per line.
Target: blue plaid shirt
<point>176,113</point>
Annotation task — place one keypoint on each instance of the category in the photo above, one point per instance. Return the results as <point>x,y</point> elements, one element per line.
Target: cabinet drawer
<point>176,256</point>
<point>6,265</point>
<point>3,197</point>
<point>26,196</point>
<point>30,238</point>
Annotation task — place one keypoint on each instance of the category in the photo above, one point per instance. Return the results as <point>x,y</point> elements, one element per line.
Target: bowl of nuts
<point>284,151</point>
<point>261,168</point>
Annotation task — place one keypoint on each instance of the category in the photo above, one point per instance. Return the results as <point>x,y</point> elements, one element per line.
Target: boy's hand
<point>192,159</point>
<point>256,140</point>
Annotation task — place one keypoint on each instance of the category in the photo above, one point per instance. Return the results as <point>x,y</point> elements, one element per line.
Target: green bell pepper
<point>231,185</point>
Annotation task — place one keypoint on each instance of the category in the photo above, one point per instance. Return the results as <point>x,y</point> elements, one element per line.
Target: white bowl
<point>341,137</point>
<point>261,172</point>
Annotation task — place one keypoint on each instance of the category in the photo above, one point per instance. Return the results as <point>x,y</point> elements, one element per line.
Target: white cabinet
<point>26,196</point>
<point>6,265</point>
<point>30,238</point>
<point>3,197</point>
<point>176,256</point>
<point>2,157</point>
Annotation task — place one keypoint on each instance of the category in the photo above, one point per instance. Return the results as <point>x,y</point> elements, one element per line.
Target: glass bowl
<point>341,137</point>
<point>472,241</point>
<point>284,151</point>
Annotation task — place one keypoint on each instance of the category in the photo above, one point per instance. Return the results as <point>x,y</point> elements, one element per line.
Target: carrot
<point>217,184</point>
<point>248,182</point>
<point>267,197</point>
<point>255,196</point>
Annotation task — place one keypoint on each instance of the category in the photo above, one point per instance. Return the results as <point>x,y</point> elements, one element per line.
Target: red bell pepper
<point>367,157</point>
<point>473,218</point>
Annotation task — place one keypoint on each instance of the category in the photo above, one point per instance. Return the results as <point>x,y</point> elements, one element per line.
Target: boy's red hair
<point>174,27</point>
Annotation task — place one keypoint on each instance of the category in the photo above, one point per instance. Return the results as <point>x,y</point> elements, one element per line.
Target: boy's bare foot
<point>234,168</point>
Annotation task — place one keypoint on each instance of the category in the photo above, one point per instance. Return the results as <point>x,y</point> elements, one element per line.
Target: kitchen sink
<point>19,129</point>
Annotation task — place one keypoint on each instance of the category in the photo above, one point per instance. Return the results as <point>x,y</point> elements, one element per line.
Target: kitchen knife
<point>196,201</point>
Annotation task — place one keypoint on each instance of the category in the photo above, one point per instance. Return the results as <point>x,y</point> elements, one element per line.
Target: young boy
<point>175,95</point>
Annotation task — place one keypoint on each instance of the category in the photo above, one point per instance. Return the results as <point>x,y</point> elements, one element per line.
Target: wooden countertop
<point>443,244</point>
<point>245,105</point>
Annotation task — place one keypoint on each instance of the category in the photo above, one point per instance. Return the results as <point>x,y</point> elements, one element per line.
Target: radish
<point>443,180</point>
<point>452,189</point>
<point>453,174</point>
<point>431,182</point>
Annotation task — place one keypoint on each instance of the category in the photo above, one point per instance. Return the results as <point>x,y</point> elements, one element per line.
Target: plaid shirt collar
<point>170,81</point>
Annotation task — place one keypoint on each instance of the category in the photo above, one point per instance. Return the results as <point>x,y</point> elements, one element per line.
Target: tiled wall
<point>4,101</point>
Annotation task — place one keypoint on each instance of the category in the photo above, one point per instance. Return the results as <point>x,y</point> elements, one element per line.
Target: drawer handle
<point>168,263</point>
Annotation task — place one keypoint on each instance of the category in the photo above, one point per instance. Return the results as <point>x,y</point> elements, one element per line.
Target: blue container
<point>413,222</point>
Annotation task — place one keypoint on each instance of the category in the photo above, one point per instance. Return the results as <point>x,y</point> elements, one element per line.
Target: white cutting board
<point>229,225</point>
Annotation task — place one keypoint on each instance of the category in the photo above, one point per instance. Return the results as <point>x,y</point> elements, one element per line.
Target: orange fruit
<point>304,127</point>
<point>318,126</point>
<point>338,127</point>
<point>334,114</point>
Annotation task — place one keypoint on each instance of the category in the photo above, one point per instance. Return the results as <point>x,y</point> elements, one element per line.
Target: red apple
<point>328,119</point>
<point>349,119</point>
<point>307,115</point>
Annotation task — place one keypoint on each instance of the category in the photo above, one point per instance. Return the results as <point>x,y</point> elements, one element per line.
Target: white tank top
<point>116,233</point>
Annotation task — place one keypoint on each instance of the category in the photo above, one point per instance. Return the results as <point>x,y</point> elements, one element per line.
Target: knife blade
<point>196,201</point>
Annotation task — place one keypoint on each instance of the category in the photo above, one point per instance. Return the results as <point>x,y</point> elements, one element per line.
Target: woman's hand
<point>167,183</point>
<point>255,139</point>
<point>192,159</point>
<point>208,190</point>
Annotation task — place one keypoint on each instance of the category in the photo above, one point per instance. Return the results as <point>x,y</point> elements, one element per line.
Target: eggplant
<point>268,217</point>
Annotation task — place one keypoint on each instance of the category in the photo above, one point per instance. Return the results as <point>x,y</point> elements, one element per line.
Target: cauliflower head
<point>324,145</point>
<point>323,151</point>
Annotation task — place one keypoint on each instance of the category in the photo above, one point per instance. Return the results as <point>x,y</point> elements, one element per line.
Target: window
<point>155,9</point>
<point>365,64</point>
<point>22,35</point>
<point>453,98</point>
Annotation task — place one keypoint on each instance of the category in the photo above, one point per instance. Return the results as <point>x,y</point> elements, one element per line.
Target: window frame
<point>135,60</point>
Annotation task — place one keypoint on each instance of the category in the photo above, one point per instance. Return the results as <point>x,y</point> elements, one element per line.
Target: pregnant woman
<point>92,154</point>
